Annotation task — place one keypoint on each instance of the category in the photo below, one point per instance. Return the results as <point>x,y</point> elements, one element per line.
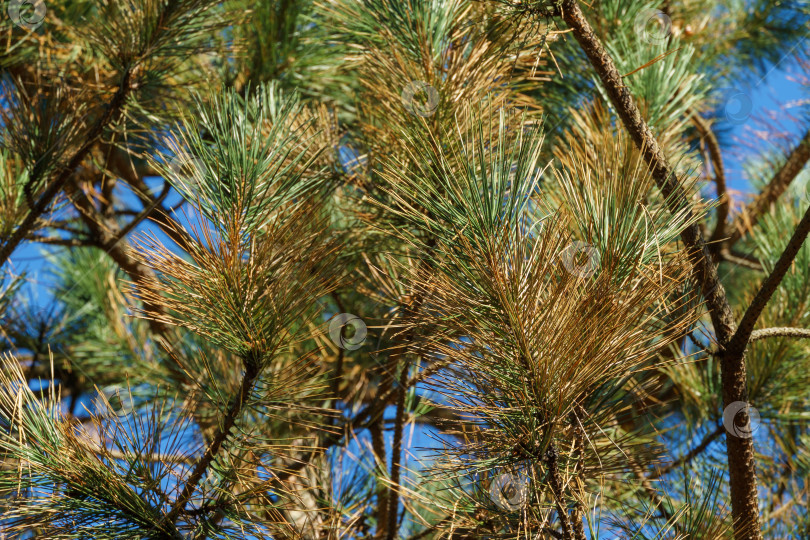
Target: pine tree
<point>401,269</point>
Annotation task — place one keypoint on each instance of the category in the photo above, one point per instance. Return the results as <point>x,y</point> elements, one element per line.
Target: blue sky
<point>776,97</point>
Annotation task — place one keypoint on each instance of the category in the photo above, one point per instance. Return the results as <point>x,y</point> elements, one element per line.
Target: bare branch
<point>740,340</point>
<point>746,261</point>
<point>779,332</point>
<point>163,215</point>
<point>689,456</point>
<point>129,227</point>
<point>55,241</point>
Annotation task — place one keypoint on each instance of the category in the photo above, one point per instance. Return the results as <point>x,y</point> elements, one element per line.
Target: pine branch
<point>413,309</point>
<point>396,455</point>
<point>738,343</point>
<point>776,187</point>
<point>110,242</point>
<point>337,374</point>
<point>746,261</point>
<point>155,457</point>
<point>56,241</point>
<point>706,133</point>
<point>779,332</point>
<point>733,373</point>
<point>367,418</point>
<point>579,449</point>
<point>378,447</point>
<point>556,489</point>
<point>113,112</point>
<point>689,456</point>
<point>251,374</point>
<point>654,496</point>
<point>770,517</point>
<point>178,235</point>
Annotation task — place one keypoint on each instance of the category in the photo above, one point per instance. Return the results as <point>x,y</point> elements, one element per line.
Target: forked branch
<point>113,112</point>
<point>746,328</point>
<point>740,451</point>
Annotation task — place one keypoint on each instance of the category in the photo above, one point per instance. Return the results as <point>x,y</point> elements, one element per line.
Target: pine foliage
<point>395,269</point>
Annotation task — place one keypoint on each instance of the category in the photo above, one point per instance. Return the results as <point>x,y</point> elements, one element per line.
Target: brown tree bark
<point>740,451</point>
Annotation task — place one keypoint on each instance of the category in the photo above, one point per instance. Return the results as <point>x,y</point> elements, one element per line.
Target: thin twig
<point>718,169</point>
<point>689,456</point>
<point>779,332</point>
